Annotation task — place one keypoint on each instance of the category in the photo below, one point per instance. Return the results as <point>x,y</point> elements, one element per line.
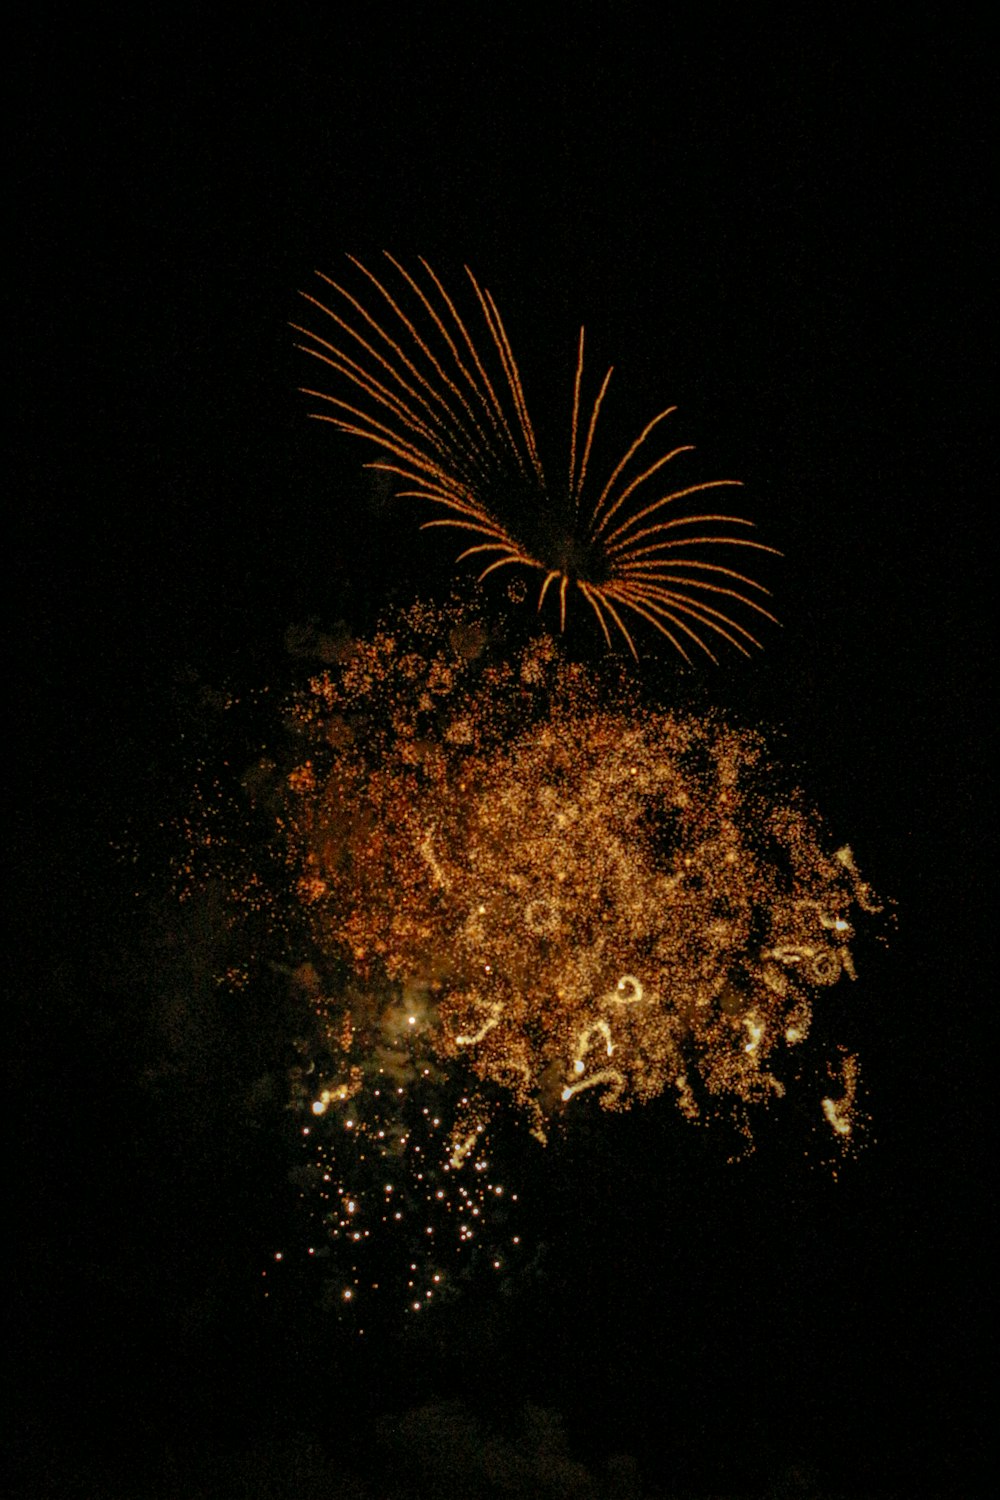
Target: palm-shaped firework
<point>461,438</point>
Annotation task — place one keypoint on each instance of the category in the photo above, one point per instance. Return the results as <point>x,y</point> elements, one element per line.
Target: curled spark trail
<point>493,1019</point>
<point>599,1027</point>
<point>449,421</point>
<point>628,991</point>
<point>609,1076</point>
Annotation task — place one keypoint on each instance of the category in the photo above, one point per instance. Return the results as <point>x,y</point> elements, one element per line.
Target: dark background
<point>780,228</point>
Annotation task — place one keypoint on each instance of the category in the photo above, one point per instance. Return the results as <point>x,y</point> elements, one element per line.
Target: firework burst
<point>508,890</point>
<point>576,893</point>
<point>451,422</point>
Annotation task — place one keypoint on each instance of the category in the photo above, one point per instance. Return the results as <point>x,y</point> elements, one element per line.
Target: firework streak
<point>451,424</point>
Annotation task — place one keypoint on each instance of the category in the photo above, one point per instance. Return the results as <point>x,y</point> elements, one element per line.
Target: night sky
<point>780,228</point>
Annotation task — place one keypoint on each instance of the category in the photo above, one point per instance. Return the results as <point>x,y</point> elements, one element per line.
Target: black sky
<point>779,226</point>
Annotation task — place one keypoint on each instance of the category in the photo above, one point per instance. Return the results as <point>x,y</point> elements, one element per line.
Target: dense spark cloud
<point>573,893</point>
<point>450,421</point>
<point>504,891</point>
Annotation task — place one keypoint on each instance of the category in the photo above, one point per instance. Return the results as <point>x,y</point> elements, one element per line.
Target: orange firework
<point>572,893</point>
<point>462,439</point>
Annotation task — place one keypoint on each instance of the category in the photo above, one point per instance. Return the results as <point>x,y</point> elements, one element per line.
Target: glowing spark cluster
<point>396,1161</point>
<point>573,893</point>
<point>450,421</point>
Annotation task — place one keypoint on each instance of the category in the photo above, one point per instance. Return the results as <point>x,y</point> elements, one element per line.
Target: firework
<point>511,890</point>
<point>510,893</point>
<point>450,421</point>
<point>575,894</point>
